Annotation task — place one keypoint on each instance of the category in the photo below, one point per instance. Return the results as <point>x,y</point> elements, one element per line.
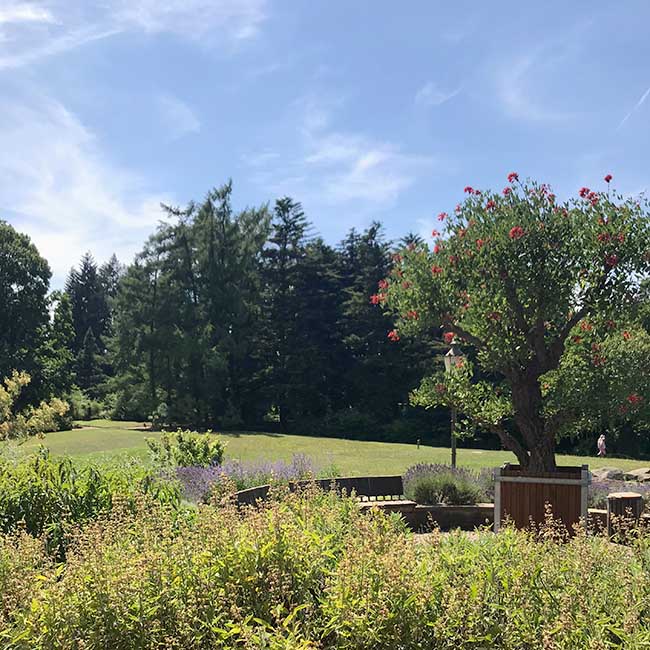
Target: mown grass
<point>108,441</point>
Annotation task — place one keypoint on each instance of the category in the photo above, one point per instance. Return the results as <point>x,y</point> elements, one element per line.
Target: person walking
<point>602,451</point>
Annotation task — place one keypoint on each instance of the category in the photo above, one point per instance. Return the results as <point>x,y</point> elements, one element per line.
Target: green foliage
<point>83,407</point>
<point>32,420</point>
<point>49,497</point>
<point>311,571</point>
<point>444,487</point>
<point>187,449</point>
<point>24,281</point>
<point>513,276</point>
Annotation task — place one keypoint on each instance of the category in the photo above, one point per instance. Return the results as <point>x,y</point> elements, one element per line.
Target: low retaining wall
<point>424,518</point>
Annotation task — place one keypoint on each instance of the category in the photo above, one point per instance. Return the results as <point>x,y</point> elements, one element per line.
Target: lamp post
<point>453,358</point>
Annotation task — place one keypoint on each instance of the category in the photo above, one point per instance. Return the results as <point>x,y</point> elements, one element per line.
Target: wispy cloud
<point>177,117</point>
<point>635,108</point>
<point>520,98</point>
<point>239,19</point>
<point>36,31</point>
<point>430,94</point>
<point>18,58</point>
<point>24,12</point>
<point>335,167</point>
<point>63,192</point>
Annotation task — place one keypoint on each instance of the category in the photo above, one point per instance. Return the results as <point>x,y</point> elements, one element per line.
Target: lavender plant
<point>199,482</point>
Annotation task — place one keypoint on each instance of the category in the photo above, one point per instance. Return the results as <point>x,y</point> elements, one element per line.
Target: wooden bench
<point>385,492</point>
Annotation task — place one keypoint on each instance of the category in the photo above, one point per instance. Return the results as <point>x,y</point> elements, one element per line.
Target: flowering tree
<point>515,275</point>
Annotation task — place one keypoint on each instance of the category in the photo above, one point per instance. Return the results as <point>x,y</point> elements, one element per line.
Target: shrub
<point>48,497</point>
<point>33,420</point>
<point>599,490</point>
<point>199,482</point>
<point>187,449</point>
<point>432,483</point>
<point>310,571</point>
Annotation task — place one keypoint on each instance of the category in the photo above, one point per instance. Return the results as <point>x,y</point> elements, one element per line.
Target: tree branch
<point>464,334</point>
<point>510,443</point>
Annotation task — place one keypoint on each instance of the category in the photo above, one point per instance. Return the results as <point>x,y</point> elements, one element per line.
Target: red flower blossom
<point>383,284</point>
<point>577,339</point>
<point>469,190</point>
<point>634,399</point>
<point>435,233</point>
<point>592,197</point>
<point>598,360</point>
<point>412,315</point>
<point>480,243</point>
<point>435,270</point>
<point>458,209</point>
<point>393,335</point>
<point>611,260</point>
<point>376,298</point>
<point>506,191</point>
<point>442,216</point>
<point>608,178</point>
<point>436,248</point>
<point>585,326</point>
<point>626,335</point>
<point>406,284</point>
<point>490,205</point>
<point>551,198</point>
<point>584,191</point>
<point>603,237</point>
<point>453,259</point>
<point>517,232</point>
<point>512,177</point>
<point>448,337</point>
<point>620,237</point>
<point>397,257</point>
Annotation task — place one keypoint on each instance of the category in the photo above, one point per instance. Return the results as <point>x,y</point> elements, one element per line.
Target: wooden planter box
<point>521,497</point>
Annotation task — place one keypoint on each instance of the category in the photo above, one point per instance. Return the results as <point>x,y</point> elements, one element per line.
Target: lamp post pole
<point>453,358</point>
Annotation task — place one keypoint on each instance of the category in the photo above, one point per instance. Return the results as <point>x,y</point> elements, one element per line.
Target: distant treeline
<point>233,320</point>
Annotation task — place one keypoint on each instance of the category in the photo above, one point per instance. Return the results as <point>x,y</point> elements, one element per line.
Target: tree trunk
<point>537,438</point>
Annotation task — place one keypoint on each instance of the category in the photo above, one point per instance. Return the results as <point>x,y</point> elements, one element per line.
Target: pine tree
<point>89,370</point>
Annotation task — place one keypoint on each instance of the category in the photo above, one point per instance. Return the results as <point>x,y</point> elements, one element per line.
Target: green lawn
<point>105,441</point>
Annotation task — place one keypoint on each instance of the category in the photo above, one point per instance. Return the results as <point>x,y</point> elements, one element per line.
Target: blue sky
<point>361,109</point>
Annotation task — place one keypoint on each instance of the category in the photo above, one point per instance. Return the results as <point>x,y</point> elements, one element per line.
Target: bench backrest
<point>362,486</point>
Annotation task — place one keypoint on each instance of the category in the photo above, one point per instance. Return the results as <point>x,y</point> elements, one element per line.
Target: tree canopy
<point>513,275</point>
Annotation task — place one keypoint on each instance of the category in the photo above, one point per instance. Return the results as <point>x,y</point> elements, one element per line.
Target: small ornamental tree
<point>515,275</point>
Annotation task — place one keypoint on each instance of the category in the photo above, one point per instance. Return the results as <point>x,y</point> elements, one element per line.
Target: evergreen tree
<point>283,265</point>
<point>58,358</point>
<point>89,369</point>
<point>89,304</point>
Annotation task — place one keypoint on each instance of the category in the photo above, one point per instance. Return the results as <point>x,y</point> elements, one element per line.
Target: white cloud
<point>64,194</point>
<point>432,95</point>
<point>239,19</point>
<point>177,117</point>
<point>519,99</point>
<point>336,167</point>
<point>35,31</point>
<point>635,108</point>
<point>24,12</point>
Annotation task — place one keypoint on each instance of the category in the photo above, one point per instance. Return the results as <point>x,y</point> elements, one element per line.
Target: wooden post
<point>453,437</point>
<point>624,506</point>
